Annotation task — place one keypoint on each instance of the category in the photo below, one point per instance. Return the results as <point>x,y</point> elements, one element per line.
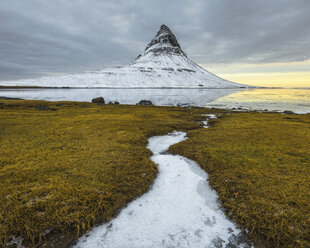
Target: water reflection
<point>297,100</point>
<point>160,97</point>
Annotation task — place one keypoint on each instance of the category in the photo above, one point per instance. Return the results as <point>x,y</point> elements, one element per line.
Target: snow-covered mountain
<point>162,64</point>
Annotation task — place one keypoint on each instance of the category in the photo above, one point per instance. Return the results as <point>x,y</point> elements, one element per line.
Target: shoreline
<point>68,87</point>
<point>198,87</point>
<point>233,109</point>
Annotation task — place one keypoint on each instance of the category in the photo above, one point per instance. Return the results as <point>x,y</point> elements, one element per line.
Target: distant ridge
<point>163,64</point>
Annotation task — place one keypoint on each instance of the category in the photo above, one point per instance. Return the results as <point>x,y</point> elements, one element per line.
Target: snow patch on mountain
<point>162,64</point>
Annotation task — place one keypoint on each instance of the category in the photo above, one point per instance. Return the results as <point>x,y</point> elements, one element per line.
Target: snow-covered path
<point>180,210</point>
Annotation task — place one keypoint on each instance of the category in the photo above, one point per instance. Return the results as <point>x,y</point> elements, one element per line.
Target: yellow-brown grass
<point>259,164</point>
<point>70,165</point>
<point>67,165</point>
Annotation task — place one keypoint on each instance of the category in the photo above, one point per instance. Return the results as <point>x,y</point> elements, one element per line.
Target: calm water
<point>297,100</point>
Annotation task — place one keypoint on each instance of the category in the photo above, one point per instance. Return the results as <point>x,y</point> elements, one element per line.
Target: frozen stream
<point>180,210</point>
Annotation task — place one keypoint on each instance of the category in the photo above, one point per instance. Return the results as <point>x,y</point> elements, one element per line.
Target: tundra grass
<point>259,164</point>
<point>65,166</point>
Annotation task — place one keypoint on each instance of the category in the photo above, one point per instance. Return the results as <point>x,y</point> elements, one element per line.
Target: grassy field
<point>260,166</point>
<point>65,166</point>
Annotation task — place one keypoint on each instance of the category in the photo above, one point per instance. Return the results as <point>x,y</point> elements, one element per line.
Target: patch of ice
<point>16,242</point>
<point>180,210</point>
<point>205,122</point>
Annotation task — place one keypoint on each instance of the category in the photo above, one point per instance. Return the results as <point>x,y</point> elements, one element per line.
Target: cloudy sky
<point>261,42</point>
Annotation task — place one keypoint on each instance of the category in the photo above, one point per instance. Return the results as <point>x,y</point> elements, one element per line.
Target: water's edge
<point>296,100</point>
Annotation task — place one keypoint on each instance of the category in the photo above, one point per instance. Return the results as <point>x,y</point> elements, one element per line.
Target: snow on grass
<point>180,210</point>
<point>209,117</point>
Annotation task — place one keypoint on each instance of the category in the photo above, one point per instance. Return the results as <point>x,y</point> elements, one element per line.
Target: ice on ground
<point>180,210</point>
<point>209,117</point>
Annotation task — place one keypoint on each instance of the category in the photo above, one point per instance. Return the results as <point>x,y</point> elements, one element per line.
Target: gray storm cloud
<point>40,37</point>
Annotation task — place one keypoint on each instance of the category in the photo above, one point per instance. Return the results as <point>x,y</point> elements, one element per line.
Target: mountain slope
<point>162,64</point>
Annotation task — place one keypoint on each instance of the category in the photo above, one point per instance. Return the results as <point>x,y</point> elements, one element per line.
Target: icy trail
<point>180,210</point>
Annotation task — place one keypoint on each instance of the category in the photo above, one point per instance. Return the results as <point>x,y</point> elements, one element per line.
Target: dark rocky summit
<point>164,43</point>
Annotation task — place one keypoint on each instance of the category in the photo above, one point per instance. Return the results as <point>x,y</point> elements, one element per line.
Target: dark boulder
<point>145,102</point>
<point>115,102</point>
<point>98,100</point>
<point>288,112</point>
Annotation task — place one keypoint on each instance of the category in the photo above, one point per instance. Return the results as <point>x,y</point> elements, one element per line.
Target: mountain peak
<point>164,42</point>
<point>164,30</point>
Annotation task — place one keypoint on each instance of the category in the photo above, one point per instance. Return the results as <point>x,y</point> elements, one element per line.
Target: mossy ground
<point>259,164</point>
<point>67,165</point>
<point>70,165</point>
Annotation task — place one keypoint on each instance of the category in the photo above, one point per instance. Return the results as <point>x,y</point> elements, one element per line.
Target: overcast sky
<point>38,37</point>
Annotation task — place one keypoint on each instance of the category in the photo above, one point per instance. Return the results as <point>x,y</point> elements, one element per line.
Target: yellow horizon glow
<point>293,74</point>
<point>276,79</point>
